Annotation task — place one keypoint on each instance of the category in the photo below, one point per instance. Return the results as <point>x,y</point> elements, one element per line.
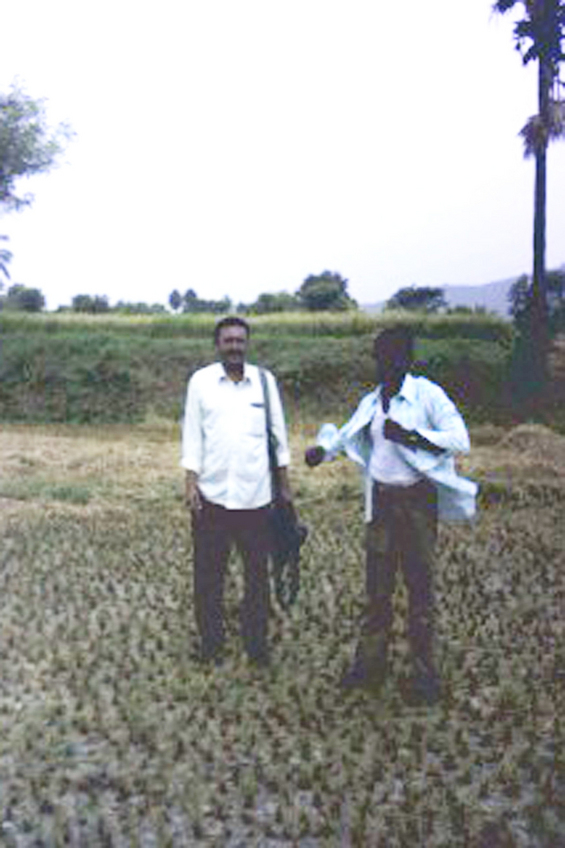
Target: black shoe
<point>261,660</point>
<point>210,658</point>
<point>357,677</point>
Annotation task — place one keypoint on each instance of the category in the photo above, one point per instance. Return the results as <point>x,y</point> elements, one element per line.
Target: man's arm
<point>192,446</point>
<point>394,432</point>
<point>446,431</point>
<point>281,439</point>
<point>192,497</point>
<point>283,484</point>
<point>333,440</point>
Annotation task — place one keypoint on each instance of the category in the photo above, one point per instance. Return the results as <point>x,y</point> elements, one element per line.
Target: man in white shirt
<point>404,435</point>
<point>228,487</point>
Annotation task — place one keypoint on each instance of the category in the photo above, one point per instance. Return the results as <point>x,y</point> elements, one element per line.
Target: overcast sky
<point>237,146</point>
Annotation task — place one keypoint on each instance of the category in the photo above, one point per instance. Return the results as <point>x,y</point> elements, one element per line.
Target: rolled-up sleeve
<point>279,426</point>
<point>447,430</point>
<point>329,438</point>
<point>352,437</point>
<point>192,441</point>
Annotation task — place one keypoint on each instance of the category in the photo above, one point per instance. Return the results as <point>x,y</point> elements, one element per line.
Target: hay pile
<point>535,442</point>
<point>525,465</point>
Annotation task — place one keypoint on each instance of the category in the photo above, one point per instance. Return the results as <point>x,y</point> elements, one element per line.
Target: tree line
<point>318,293</point>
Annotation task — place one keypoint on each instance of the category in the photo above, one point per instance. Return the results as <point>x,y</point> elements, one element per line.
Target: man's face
<point>392,363</point>
<point>232,346</point>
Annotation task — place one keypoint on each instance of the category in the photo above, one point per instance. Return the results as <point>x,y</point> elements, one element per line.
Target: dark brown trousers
<point>215,531</point>
<point>402,535</point>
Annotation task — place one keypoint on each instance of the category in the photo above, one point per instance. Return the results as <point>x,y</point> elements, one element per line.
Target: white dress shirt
<point>224,437</point>
<point>387,464</point>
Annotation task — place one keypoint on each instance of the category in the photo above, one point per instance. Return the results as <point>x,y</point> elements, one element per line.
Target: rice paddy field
<point>112,735</point>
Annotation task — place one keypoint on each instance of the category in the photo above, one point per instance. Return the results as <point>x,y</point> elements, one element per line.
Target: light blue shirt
<point>422,406</point>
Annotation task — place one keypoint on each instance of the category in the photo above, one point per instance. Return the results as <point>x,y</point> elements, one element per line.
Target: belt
<point>390,487</point>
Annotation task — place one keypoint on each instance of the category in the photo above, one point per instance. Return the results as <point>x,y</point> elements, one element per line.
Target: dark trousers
<point>215,531</point>
<point>402,535</point>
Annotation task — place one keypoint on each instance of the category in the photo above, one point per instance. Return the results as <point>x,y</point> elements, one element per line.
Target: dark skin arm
<point>192,495</point>
<point>283,484</point>
<point>392,431</point>
<point>409,438</point>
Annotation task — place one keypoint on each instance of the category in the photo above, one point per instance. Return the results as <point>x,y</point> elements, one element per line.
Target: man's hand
<point>284,491</point>
<point>314,456</point>
<point>192,495</point>
<point>394,432</point>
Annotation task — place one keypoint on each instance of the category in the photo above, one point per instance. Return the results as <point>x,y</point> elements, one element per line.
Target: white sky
<point>237,146</point>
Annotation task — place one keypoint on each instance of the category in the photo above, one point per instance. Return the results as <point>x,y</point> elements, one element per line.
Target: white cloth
<point>387,464</point>
<point>224,437</point>
<point>422,406</point>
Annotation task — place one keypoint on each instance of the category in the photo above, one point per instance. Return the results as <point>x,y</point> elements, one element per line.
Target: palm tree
<point>539,36</point>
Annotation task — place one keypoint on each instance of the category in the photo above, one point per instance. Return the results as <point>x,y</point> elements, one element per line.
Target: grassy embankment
<point>113,368</point>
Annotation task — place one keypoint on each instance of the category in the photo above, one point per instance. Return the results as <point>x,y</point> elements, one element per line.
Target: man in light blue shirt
<point>404,435</point>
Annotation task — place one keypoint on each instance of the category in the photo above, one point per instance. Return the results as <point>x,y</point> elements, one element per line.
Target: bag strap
<point>271,440</point>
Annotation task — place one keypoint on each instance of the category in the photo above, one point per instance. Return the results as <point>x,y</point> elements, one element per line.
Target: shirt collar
<point>407,390</point>
<point>223,376</point>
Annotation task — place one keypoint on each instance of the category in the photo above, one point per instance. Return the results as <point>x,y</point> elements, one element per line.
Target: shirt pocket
<point>257,422</point>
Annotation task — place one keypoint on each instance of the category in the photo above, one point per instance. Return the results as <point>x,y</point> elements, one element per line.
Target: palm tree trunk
<point>539,312</point>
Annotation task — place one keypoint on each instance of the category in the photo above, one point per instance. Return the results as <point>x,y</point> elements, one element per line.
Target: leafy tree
<point>460,309</point>
<point>418,298</point>
<point>139,308</point>
<point>325,291</point>
<point>24,299</point>
<point>27,144</point>
<point>219,307</point>
<point>100,304</point>
<point>89,303</point>
<point>539,37</point>
<point>192,303</point>
<point>82,303</point>
<point>520,299</point>
<point>5,259</point>
<point>279,302</point>
<point>175,300</point>
<point>555,284</point>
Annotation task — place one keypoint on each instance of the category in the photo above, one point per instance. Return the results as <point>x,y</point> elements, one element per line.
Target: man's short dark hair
<point>231,321</point>
<point>398,341</point>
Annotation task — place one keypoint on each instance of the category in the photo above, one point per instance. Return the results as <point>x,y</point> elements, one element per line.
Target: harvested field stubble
<point>111,735</point>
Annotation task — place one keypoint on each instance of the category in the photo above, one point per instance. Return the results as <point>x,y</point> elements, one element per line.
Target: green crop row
<point>487,327</point>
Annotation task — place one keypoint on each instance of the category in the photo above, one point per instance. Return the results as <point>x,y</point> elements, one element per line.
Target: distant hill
<point>492,296</point>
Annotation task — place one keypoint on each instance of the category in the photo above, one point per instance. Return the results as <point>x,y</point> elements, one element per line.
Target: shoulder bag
<point>287,533</point>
